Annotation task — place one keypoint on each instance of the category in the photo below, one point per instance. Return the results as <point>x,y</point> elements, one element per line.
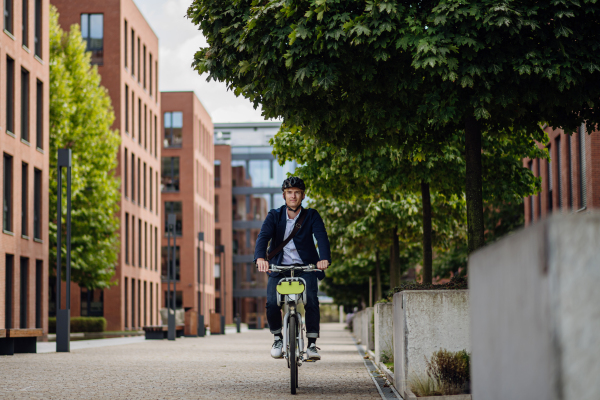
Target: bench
<point>162,331</point>
<point>19,341</point>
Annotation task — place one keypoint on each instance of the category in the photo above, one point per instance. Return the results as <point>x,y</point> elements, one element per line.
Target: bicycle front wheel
<point>292,354</point>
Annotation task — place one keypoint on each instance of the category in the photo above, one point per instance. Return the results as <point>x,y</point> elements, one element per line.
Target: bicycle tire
<point>292,354</point>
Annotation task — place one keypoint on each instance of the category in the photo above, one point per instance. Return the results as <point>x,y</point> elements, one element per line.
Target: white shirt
<point>290,254</point>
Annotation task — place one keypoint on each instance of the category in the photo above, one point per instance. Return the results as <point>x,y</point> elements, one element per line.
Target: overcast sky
<point>179,40</point>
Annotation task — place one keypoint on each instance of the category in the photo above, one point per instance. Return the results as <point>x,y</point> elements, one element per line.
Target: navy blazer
<point>274,228</point>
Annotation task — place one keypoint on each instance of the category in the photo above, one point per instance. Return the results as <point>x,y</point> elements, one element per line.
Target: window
<point>8,290</point>
<point>10,95</point>
<point>155,135</point>
<point>25,23</point>
<point>164,259</point>
<point>530,166</point>
<point>156,79</point>
<point>144,66</point>
<point>132,240</point>
<point>174,207</point>
<point>145,126</point>
<point>24,199</point>
<point>138,60</point>
<point>151,191</point>
<point>170,174</point>
<point>217,237</point>
<point>559,177</point>
<point>582,168</point>
<point>23,292</point>
<point>132,177</point>
<point>126,109</point>
<point>126,238</point>
<point>132,55</point>
<point>173,122</point>
<point>39,266</point>
<point>126,308</point>
<point>150,73</point>
<point>8,16</point>
<point>570,175</point>
<point>38,28</point>
<point>7,196</point>
<point>145,184</point>
<point>39,115</point>
<point>139,186</point>
<point>132,302</point>
<point>92,303</point>
<point>140,120</point>
<point>156,248</point>
<point>157,197</point>
<point>126,172</point>
<point>217,173</point>
<point>140,243</point>
<point>145,245</point>
<point>539,173</point>
<point>37,204</point>
<point>24,104</point>
<point>216,208</point>
<point>132,114</point>
<point>549,164</point>
<point>125,44</point>
<point>92,32</point>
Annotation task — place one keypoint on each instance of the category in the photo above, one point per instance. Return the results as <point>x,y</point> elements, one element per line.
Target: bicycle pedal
<point>310,360</point>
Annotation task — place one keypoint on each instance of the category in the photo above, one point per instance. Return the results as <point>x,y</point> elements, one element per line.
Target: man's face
<point>293,197</point>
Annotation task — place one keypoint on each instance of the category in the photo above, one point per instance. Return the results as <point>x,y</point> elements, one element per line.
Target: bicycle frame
<point>290,304</point>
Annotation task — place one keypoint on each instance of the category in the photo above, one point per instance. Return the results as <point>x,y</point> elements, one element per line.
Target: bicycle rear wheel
<point>292,354</point>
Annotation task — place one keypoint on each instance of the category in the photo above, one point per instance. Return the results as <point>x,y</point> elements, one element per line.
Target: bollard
<point>201,328</point>
<point>222,324</point>
<point>238,324</point>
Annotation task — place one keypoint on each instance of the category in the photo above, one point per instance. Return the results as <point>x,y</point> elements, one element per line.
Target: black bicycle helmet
<point>293,182</point>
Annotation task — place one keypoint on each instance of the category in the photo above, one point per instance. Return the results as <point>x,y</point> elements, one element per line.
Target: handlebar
<point>282,268</point>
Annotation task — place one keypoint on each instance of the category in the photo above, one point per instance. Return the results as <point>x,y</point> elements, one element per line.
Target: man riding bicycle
<point>280,225</point>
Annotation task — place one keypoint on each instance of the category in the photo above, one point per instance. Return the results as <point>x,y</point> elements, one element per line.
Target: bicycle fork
<point>286,318</point>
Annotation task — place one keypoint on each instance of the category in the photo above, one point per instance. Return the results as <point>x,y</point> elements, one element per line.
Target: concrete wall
<point>384,328</point>
<point>357,323</point>
<point>367,329</point>
<point>426,321</point>
<point>536,314</point>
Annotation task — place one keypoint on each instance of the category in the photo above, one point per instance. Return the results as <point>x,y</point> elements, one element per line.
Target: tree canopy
<point>81,116</point>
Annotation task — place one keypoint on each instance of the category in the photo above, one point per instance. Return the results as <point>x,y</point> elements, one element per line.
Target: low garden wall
<point>426,321</point>
<point>367,329</point>
<point>357,326</point>
<point>384,326</point>
<point>535,306</point>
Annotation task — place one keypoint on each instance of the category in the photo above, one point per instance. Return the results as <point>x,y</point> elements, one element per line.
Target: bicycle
<point>292,291</point>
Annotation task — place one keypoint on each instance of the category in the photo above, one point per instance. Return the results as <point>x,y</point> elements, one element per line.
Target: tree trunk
<point>473,187</point>
<point>395,272</point>
<point>378,294</point>
<point>427,252</point>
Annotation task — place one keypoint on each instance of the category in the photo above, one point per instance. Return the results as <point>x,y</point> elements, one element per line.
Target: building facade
<point>24,143</point>
<point>188,192</point>
<point>570,179</point>
<point>256,179</point>
<point>125,49</point>
<point>223,233</point>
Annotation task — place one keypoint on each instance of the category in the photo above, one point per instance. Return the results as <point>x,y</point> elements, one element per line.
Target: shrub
<point>81,324</point>
<point>424,385</point>
<point>456,283</point>
<point>451,370</point>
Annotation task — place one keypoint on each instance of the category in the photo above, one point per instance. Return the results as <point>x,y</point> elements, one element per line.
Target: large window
<point>170,174</point>
<point>173,122</point>
<point>550,181</point>
<point>24,199</point>
<point>144,66</point>
<point>37,204</point>
<point>174,207</point>
<point>132,55</point>
<point>164,262</point>
<point>7,195</point>
<point>38,28</point>
<point>132,177</point>
<point>8,16</point>
<point>92,303</point>
<point>126,173</point>
<point>582,168</point>
<point>138,60</point>
<point>10,95</point>
<point>559,175</point>
<point>150,73</point>
<point>23,292</point>
<point>151,175</point>
<point>125,44</point>
<point>126,109</point>
<point>25,104</point>
<point>92,32</point>
<point>145,191</point>
<point>126,238</point>
<point>217,173</point>
<point>25,22</point>
<point>39,115</point>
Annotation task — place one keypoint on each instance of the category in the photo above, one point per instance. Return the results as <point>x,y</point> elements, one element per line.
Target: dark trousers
<point>312,317</point>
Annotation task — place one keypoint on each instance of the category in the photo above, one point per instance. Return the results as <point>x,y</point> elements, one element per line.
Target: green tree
<point>365,73</point>
<point>81,116</point>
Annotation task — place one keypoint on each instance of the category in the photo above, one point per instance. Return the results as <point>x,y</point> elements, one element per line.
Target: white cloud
<point>178,41</point>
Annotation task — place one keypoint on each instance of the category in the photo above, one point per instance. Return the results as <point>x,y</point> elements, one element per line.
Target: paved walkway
<point>236,366</point>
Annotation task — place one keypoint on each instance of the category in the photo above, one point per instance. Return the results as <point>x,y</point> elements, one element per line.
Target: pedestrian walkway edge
<point>384,387</point>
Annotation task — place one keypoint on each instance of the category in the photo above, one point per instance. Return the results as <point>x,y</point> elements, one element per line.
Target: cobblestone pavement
<point>236,366</point>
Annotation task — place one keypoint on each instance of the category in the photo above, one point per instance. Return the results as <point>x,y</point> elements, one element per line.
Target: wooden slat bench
<point>162,331</point>
<point>19,341</point>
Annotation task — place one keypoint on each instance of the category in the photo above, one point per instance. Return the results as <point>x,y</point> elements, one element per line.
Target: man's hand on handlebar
<point>322,265</point>
<point>262,264</point>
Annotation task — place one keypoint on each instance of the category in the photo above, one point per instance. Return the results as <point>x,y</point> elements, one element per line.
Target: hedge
<point>81,324</point>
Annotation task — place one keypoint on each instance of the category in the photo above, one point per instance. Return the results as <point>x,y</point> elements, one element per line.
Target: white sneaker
<point>276,350</point>
<point>312,353</point>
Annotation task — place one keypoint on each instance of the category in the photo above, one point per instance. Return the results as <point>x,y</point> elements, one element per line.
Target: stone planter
<point>426,321</point>
<point>384,331</point>
<point>535,312</point>
<point>367,329</point>
<point>357,326</point>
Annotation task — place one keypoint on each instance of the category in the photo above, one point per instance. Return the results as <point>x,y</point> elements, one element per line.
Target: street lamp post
<point>201,330</point>
<point>63,316</point>
<point>171,257</point>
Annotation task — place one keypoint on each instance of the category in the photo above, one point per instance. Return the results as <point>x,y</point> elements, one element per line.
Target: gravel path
<point>236,366</point>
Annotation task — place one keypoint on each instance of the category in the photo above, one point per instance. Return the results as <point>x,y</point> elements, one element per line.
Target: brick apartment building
<point>188,192</point>
<point>223,230</point>
<point>125,49</point>
<point>570,179</point>
<point>24,143</point>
